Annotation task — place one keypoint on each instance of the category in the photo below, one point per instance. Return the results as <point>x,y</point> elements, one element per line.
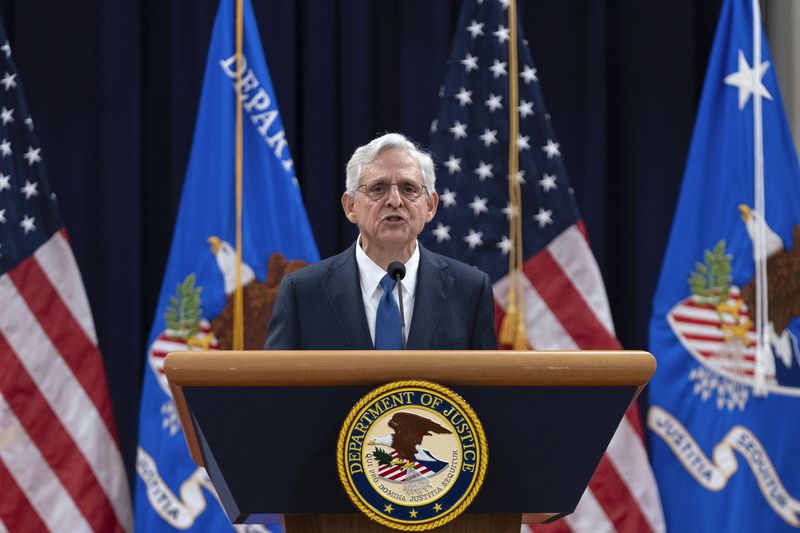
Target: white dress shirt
<point>370,275</point>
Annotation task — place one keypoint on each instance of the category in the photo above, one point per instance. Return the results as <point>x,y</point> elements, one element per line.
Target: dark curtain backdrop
<point>113,89</point>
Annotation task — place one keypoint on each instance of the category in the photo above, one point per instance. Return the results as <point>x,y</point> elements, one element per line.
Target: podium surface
<point>265,424</point>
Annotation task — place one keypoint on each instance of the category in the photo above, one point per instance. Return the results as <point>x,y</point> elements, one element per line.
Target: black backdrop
<point>113,88</point>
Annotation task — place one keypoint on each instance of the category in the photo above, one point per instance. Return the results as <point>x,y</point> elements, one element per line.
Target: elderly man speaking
<point>350,301</point>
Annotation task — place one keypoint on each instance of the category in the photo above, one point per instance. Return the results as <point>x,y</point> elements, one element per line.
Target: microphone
<point>397,271</point>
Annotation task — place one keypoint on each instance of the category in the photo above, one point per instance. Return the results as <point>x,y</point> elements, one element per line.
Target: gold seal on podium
<point>412,455</point>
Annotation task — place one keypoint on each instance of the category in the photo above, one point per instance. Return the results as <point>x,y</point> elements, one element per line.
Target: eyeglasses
<point>378,189</point>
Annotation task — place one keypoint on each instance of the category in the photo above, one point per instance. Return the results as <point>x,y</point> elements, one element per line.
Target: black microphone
<point>397,271</point>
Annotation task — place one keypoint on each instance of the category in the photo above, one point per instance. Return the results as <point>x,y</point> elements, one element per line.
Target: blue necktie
<point>388,335</point>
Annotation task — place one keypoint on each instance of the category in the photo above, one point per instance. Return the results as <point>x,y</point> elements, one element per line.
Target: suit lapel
<point>433,286</point>
<point>343,288</point>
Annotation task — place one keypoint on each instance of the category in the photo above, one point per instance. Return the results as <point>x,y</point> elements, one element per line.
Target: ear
<point>433,203</point>
<point>348,202</point>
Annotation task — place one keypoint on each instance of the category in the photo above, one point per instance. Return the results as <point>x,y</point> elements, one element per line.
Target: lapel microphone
<point>397,271</point>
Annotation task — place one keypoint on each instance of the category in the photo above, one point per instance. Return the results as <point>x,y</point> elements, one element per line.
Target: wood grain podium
<point>265,424</point>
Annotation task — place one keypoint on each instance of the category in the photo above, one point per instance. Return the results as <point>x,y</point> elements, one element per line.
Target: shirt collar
<point>371,274</point>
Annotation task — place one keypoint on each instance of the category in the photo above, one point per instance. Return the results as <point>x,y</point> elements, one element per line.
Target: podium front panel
<point>272,449</point>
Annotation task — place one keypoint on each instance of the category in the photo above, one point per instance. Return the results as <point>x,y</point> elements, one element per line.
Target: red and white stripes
<point>566,309</point>
<point>60,464</point>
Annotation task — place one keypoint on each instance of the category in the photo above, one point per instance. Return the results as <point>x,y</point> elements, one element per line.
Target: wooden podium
<point>265,426</point>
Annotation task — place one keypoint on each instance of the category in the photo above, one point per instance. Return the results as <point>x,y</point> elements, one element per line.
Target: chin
<point>395,235</point>
<point>393,244</point>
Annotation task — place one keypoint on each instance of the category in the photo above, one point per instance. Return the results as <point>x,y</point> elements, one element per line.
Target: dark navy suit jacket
<point>320,307</point>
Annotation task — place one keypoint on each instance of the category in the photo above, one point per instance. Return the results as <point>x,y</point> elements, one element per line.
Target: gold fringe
<point>513,332</point>
<point>508,327</point>
<point>521,338</point>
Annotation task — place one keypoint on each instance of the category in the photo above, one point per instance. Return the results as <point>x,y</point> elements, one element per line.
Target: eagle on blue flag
<point>725,401</point>
<point>194,307</point>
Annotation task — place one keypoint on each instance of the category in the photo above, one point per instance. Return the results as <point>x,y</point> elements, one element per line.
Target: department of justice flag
<point>60,463</point>
<point>173,493</point>
<point>725,402</point>
<point>563,293</point>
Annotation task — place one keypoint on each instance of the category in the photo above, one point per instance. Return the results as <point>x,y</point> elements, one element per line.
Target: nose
<point>394,198</point>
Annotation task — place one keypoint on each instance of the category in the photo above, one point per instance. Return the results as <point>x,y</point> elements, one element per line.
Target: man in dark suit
<point>349,302</point>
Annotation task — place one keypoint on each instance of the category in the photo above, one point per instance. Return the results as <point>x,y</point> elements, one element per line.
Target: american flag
<point>562,290</point>
<point>60,464</point>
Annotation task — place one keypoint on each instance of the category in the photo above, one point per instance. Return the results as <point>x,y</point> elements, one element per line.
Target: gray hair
<point>365,154</point>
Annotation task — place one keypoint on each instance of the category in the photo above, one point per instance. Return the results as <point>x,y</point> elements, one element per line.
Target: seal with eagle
<point>783,285</point>
<point>410,456</point>
<point>258,296</point>
<point>187,329</point>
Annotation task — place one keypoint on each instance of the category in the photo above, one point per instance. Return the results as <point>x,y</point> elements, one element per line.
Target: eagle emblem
<point>187,328</point>
<point>716,324</point>
<point>412,455</point>
<point>408,461</point>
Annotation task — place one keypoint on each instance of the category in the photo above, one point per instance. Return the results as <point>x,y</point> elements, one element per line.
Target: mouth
<point>393,218</point>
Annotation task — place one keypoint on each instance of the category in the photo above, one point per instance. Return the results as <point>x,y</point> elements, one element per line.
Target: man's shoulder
<point>455,267</point>
<point>321,269</point>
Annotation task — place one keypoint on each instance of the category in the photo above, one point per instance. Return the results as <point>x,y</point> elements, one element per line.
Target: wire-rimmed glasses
<point>378,189</point>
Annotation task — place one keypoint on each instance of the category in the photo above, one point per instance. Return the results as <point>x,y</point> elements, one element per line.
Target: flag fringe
<point>521,338</point>
<point>508,328</point>
<point>512,329</point>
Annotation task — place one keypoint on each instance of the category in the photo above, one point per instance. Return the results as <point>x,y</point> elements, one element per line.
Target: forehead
<point>392,163</point>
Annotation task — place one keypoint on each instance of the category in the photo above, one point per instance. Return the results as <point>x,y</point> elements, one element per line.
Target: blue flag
<point>171,491</point>
<point>725,400</point>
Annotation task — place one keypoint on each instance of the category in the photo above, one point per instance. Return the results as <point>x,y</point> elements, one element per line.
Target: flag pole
<point>512,330</point>
<point>759,242</point>
<point>238,299</point>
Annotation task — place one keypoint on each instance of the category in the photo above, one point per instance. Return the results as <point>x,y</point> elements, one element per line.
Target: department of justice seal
<point>412,455</point>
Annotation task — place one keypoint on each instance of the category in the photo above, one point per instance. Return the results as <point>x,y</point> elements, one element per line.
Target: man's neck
<point>383,257</point>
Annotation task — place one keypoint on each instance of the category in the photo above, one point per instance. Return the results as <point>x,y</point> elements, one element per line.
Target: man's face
<point>394,220</point>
